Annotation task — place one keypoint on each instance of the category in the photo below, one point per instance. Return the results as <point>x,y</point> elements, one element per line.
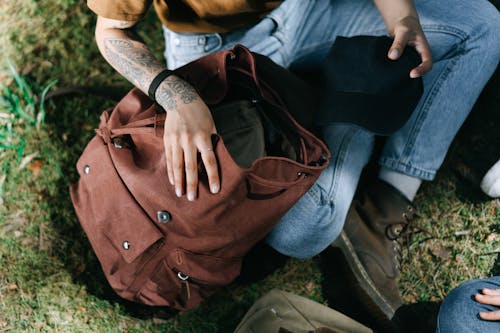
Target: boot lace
<point>395,231</point>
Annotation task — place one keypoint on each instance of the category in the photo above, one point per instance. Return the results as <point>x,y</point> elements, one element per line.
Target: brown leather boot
<point>376,219</point>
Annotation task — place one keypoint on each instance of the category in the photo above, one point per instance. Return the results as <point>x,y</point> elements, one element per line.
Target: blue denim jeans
<point>465,43</point>
<point>459,312</point>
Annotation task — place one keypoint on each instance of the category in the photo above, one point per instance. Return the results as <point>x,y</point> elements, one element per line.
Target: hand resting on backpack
<point>188,129</point>
<point>189,124</point>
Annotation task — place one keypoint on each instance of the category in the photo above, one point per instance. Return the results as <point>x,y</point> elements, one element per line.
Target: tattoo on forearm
<point>172,88</point>
<point>137,54</point>
<point>184,89</point>
<point>136,62</point>
<point>166,99</point>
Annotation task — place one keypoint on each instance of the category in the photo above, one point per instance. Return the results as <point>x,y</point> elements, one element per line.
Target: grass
<point>50,280</point>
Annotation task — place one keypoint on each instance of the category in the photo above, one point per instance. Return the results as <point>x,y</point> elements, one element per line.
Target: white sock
<point>491,181</point>
<point>407,185</point>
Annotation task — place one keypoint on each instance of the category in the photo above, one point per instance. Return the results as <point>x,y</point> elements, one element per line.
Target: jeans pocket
<point>182,48</point>
<point>262,37</point>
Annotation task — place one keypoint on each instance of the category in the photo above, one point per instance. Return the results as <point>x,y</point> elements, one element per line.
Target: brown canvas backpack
<point>158,249</point>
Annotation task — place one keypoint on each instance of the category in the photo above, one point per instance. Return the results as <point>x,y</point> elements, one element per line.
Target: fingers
<point>409,32</point>
<point>423,48</point>
<point>168,159</point>
<point>491,315</point>
<point>210,162</point>
<point>191,165</point>
<point>492,299</point>
<point>401,38</point>
<point>178,169</point>
<point>187,131</point>
<point>182,167</point>
<point>491,291</point>
<point>182,164</point>
<point>205,147</point>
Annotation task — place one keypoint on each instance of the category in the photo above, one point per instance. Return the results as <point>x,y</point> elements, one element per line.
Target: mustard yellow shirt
<point>188,15</point>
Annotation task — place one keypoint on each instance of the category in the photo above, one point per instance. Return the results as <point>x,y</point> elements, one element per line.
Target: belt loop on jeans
<point>216,47</point>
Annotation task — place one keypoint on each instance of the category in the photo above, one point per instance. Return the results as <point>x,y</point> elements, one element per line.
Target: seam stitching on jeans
<point>445,29</point>
<point>341,157</point>
<point>427,103</point>
<point>407,169</point>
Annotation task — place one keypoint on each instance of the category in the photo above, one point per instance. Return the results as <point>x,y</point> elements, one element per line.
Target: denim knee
<point>317,218</point>
<point>491,29</point>
<point>459,312</point>
<point>482,26</point>
<point>309,226</point>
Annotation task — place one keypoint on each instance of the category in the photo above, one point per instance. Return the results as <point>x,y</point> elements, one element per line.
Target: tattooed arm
<point>189,124</point>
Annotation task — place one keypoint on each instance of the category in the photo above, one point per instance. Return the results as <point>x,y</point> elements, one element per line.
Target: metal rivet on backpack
<point>126,245</point>
<point>118,143</point>
<point>86,169</point>
<point>163,216</point>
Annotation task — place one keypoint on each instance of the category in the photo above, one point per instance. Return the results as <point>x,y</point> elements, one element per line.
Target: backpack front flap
<point>119,231</point>
<point>140,231</point>
<point>156,248</point>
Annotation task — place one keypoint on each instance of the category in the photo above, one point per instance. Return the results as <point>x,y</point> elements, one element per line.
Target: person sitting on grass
<point>472,307</point>
<point>461,35</point>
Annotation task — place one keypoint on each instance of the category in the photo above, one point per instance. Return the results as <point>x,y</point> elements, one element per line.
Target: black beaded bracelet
<point>157,81</point>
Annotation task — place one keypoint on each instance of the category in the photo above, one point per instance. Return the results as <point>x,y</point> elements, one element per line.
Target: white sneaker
<point>491,181</point>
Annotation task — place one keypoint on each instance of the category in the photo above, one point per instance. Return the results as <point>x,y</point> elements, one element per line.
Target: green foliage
<point>50,280</point>
<point>20,108</point>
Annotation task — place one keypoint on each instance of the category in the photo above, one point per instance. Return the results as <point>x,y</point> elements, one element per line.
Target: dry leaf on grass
<point>440,251</point>
<point>491,237</point>
<point>310,286</point>
<point>434,299</point>
<point>12,287</point>
<point>81,310</point>
<point>411,298</point>
<point>27,159</point>
<point>35,167</point>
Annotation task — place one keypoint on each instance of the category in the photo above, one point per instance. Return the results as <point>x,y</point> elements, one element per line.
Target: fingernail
<point>215,188</point>
<point>190,196</point>
<point>414,75</point>
<point>178,192</point>
<point>394,53</point>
